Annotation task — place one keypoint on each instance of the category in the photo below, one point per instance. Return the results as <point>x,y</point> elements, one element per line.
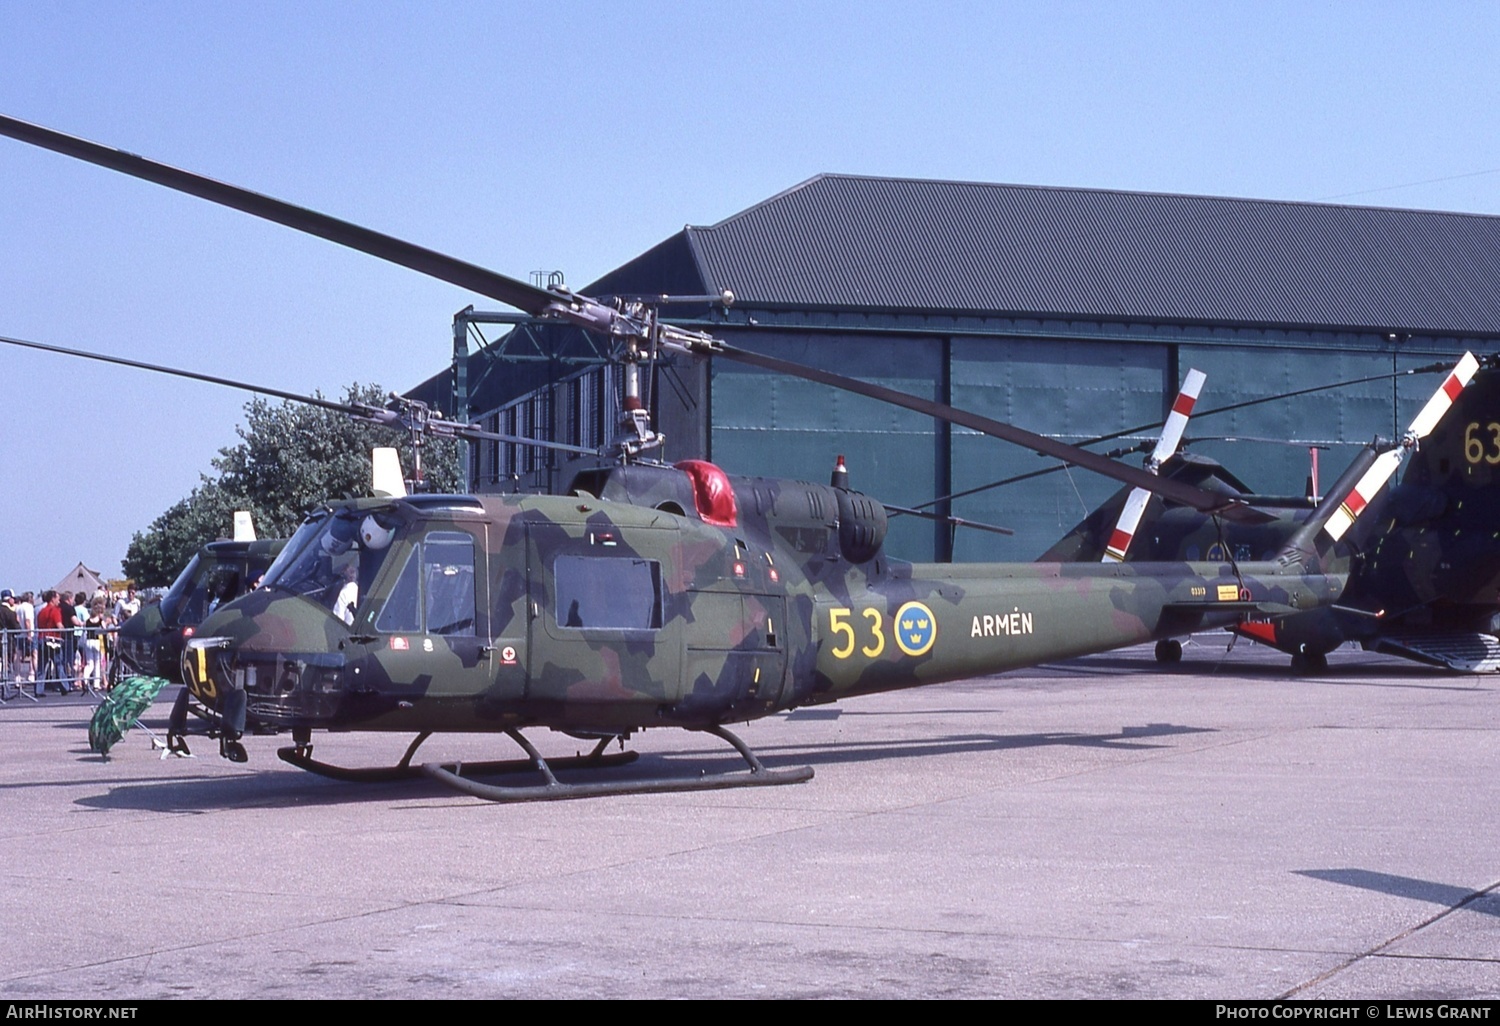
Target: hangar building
<point>1070,312</point>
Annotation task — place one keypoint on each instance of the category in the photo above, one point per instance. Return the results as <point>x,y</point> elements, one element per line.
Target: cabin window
<point>221,585</point>
<point>608,593</point>
<point>435,591</point>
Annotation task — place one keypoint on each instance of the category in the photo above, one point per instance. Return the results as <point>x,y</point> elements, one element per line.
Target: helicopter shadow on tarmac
<point>251,790</point>
<point>1375,672</point>
<point>1127,739</point>
<point>202,793</point>
<point>1451,898</point>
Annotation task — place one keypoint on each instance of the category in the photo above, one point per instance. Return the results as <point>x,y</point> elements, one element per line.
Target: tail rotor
<point>1171,436</point>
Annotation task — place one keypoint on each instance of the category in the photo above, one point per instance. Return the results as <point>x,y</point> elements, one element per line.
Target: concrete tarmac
<point>1096,829</point>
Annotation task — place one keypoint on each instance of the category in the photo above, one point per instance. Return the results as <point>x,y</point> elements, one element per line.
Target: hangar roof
<point>855,242</point>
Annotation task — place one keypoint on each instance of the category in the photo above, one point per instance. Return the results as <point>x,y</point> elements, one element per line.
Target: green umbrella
<point>120,709</point>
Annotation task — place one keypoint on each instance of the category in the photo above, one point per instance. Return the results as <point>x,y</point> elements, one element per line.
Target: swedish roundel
<point>916,629</point>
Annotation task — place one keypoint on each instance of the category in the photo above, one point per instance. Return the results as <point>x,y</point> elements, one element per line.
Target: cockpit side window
<point>435,590</point>
<point>402,612</point>
<point>448,569</point>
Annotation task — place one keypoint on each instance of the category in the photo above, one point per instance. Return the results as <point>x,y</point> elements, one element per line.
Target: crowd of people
<point>61,642</point>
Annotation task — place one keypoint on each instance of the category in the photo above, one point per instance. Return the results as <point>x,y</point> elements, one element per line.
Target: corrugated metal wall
<point>1073,390</point>
<point>776,426</point>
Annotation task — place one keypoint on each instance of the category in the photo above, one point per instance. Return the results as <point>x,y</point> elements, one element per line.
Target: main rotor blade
<point>211,379</point>
<point>1198,499</point>
<point>473,433</point>
<point>511,291</point>
<point>1431,368</point>
<point>375,414</point>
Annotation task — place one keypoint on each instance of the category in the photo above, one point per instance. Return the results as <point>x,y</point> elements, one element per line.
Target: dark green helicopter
<point>1425,576</point>
<point>151,641</point>
<point>654,595</point>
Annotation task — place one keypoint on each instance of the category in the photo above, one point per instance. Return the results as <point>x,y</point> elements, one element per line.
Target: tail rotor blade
<point>1166,445</point>
<point>1385,466</point>
<point>1182,409</point>
<point>1124,532</point>
<point>1443,398</point>
<point>1363,491</point>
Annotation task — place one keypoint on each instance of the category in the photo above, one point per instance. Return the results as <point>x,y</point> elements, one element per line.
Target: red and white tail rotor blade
<point>1442,399</point>
<point>1363,491</point>
<point>1166,445</point>
<point>1385,466</point>
<point>1182,409</point>
<point>1124,532</point>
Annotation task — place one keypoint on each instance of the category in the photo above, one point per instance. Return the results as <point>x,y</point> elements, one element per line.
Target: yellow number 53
<point>839,625</point>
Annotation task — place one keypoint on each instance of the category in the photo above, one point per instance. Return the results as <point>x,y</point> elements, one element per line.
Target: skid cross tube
<point>555,790</point>
<point>300,756</point>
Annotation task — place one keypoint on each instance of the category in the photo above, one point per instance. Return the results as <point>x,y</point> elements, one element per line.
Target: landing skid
<point>555,790</point>
<point>301,757</point>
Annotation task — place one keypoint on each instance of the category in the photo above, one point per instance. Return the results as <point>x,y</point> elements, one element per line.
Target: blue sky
<point>573,136</point>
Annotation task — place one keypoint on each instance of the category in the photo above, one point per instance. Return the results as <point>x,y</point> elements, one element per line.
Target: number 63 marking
<point>1474,444</point>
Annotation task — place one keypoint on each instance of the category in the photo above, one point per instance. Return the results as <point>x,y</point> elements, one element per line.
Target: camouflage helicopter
<point>151,641</point>
<point>653,595</point>
<point>1425,580</point>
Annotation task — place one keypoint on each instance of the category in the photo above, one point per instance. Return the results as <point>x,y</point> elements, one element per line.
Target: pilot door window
<point>608,594</point>
<point>434,593</point>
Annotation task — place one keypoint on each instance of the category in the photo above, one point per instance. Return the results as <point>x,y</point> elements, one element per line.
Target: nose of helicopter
<point>269,620</point>
<point>137,638</point>
<point>283,653</point>
<point>143,624</point>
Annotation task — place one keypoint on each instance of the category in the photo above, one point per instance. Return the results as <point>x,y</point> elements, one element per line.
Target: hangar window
<point>608,593</point>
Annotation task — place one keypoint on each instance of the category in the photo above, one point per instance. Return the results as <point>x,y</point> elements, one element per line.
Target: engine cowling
<point>862,526</point>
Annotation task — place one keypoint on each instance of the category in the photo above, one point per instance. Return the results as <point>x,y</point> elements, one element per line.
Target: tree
<point>291,458</point>
<point>154,558</point>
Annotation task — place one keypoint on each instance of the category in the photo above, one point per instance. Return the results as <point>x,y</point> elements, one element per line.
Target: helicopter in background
<point>1425,578</point>
<point>151,641</point>
<point>654,595</point>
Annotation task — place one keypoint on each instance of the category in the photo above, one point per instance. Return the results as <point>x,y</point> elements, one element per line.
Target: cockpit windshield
<point>181,589</point>
<point>217,574</point>
<point>332,559</point>
<point>311,528</point>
